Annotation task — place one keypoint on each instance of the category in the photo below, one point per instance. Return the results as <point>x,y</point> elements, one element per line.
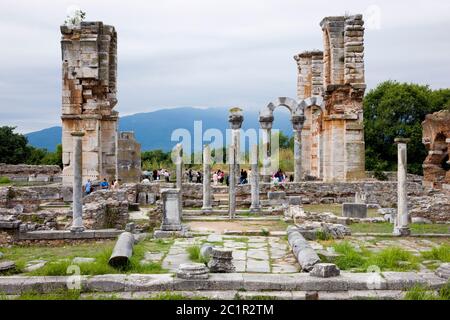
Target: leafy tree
<point>393,110</point>
<point>54,158</point>
<point>13,146</point>
<point>285,142</point>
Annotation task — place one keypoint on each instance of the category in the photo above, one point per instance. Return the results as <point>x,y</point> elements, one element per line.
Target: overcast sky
<point>210,53</point>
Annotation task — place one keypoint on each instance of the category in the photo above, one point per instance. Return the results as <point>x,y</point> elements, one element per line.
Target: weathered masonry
<point>436,137</point>
<point>330,91</point>
<point>89,65</point>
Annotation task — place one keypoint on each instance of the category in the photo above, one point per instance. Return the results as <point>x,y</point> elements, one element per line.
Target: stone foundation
<point>30,173</point>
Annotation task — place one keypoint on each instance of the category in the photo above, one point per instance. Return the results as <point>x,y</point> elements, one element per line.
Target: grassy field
<point>59,257</point>
<point>387,227</point>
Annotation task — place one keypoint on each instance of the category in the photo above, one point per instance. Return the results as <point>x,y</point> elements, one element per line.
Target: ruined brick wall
<point>89,64</point>
<point>128,158</point>
<point>333,146</point>
<point>24,172</point>
<point>436,137</point>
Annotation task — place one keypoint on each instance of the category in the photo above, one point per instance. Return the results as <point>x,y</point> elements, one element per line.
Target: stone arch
<point>313,110</point>
<point>266,121</point>
<point>289,103</point>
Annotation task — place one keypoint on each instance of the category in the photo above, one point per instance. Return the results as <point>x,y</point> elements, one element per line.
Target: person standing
<point>104,184</point>
<point>215,178</point>
<point>88,187</point>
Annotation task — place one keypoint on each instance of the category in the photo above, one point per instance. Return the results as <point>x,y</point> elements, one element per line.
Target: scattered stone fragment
<point>325,270</point>
<point>34,265</point>
<point>78,260</point>
<point>443,271</point>
<point>222,261</point>
<point>420,220</point>
<point>192,271</point>
<point>328,255</point>
<point>7,266</point>
<point>205,251</point>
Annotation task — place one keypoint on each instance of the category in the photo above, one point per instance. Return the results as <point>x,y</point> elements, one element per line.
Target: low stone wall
<point>383,193</point>
<point>32,173</point>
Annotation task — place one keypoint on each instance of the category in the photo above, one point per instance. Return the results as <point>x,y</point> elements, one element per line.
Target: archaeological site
<point>325,228</point>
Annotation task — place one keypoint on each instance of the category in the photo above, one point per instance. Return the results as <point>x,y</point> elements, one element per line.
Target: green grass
<point>390,258</point>
<point>4,180</point>
<point>387,259</point>
<point>323,236</point>
<point>60,257</point>
<point>194,254</point>
<point>441,253</point>
<point>419,292</point>
<point>350,258</point>
<point>386,227</point>
<point>57,295</point>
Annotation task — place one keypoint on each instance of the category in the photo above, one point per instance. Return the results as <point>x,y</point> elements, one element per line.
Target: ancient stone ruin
<point>89,63</point>
<point>333,136</point>
<point>436,137</point>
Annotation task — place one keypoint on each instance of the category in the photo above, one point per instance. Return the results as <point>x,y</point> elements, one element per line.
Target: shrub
<point>441,253</point>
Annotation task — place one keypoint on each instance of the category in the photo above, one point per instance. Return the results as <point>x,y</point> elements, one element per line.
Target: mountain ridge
<point>163,122</point>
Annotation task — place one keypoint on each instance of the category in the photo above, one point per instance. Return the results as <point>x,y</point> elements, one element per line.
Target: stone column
<point>235,119</point>
<point>265,122</point>
<point>401,227</point>
<point>207,207</point>
<point>297,124</point>
<point>77,167</point>
<point>179,165</point>
<point>254,180</point>
<point>232,183</point>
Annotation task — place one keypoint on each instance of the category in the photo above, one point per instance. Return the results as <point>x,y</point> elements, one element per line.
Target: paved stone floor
<point>250,254</point>
<point>259,254</point>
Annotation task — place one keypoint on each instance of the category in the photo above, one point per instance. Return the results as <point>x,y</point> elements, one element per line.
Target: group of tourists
<point>218,177</point>
<point>194,176</point>
<point>281,177</point>
<point>161,174</point>
<point>90,187</point>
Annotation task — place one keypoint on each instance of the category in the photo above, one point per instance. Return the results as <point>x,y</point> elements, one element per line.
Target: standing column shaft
<point>179,166</point>
<point>207,207</point>
<point>266,154</point>
<point>232,183</point>
<point>297,156</point>
<point>77,167</point>
<point>254,180</point>
<point>236,143</point>
<point>401,224</point>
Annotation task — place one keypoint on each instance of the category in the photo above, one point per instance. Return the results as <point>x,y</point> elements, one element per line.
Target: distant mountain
<point>47,138</point>
<point>153,130</point>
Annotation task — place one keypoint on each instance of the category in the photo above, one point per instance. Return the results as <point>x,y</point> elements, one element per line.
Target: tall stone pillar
<point>266,122</point>
<point>255,207</point>
<point>232,183</point>
<point>297,124</point>
<point>207,207</point>
<point>179,166</point>
<point>235,119</point>
<point>401,222</point>
<point>77,223</point>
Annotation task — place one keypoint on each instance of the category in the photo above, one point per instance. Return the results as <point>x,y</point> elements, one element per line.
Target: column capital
<point>401,140</point>
<point>77,133</point>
